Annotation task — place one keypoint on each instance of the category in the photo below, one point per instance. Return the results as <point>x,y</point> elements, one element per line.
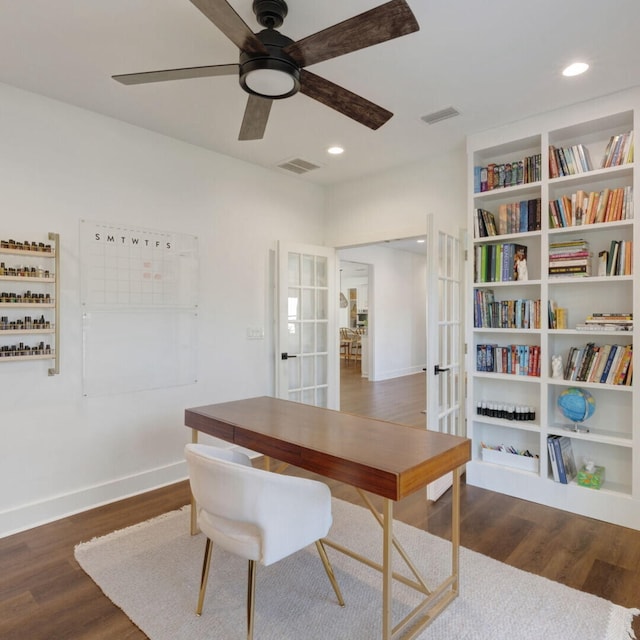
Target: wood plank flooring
<point>44,595</point>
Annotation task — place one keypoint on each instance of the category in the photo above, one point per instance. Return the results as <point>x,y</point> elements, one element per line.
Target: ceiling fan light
<point>269,82</point>
<point>269,78</point>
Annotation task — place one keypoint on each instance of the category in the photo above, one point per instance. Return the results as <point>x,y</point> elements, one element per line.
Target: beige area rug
<point>152,570</point>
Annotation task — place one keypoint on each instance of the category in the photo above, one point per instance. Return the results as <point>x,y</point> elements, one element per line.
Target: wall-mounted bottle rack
<point>30,301</point>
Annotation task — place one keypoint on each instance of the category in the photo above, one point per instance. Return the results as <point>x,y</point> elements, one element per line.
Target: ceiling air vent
<point>297,165</point>
<point>438,116</point>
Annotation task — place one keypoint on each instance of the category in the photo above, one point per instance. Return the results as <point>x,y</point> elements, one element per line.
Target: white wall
<point>62,452</point>
<point>391,206</point>
<point>397,308</point>
<point>395,204</point>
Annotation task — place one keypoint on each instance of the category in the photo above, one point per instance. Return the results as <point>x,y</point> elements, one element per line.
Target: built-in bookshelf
<point>571,313</point>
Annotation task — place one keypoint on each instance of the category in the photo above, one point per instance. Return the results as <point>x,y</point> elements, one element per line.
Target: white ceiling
<point>494,61</point>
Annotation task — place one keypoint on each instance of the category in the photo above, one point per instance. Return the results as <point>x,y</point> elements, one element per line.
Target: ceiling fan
<point>272,66</point>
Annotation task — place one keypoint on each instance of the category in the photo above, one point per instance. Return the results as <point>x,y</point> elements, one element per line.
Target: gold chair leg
<point>329,569</point>
<point>205,575</point>
<point>251,596</point>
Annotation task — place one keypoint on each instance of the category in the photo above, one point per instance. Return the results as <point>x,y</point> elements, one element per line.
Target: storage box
<point>525,463</point>
<point>593,479</point>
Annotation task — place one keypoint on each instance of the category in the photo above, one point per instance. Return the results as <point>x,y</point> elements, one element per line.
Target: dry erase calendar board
<point>139,299</point>
<point>125,267</point>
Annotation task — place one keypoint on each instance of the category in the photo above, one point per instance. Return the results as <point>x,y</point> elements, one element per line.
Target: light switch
<point>255,333</point>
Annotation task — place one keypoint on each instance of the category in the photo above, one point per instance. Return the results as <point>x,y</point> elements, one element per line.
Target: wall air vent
<point>439,116</point>
<point>297,165</point>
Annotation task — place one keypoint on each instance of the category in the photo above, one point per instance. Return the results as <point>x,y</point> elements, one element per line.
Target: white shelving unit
<point>29,301</point>
<point>613,438</point>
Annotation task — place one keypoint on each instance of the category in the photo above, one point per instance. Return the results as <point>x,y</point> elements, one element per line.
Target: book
<point>569,262</point>
<point>610,316</point>
<point>578,270</point>
<point>483,179</point>
<point>601,326</point>
<point>585,158</point>
<point>621,372</point>
<point>552,457</point>
<point>607,366</point>
<point>570,365</point>
<point>579,207</point>
<point>576,362</point>
<point>592,206</point>
<point>612,267</point>
<point>602,205</point>
<point>565,460</point>
<point>603,259</point>
<point>615,363</point>
<point>581,371</point>
<point>602,360</point>
<point>597,354</point>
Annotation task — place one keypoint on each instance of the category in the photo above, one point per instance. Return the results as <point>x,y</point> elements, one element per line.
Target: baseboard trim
<point>35,514</point>
<point>399,373</point>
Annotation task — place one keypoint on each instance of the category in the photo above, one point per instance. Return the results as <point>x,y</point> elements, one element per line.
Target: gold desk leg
<point>455,531</point>
<point>387,569</point>
<point>194,511</point>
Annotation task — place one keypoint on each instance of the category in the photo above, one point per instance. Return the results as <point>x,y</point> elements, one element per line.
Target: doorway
<point>353,316</point>
<point>394,300</point>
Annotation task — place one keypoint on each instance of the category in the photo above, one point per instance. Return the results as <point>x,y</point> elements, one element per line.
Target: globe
<point>576,404</point>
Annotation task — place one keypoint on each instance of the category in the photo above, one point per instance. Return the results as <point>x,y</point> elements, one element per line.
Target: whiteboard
<point>139,298</point>
<point>129,267</point>
<point>137,350</point>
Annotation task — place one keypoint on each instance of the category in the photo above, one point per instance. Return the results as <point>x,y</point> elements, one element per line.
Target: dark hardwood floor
<point>44,595</point>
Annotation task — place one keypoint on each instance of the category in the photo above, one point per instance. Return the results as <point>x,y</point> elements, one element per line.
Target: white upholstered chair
<point>256,514</point>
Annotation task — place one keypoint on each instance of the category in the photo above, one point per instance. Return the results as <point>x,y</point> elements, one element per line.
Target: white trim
<point>38,513</point>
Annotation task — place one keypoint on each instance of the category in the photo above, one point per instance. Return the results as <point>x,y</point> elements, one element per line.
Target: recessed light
<point>421,241</point>
<point>575,69</point>
<point>335,151</point>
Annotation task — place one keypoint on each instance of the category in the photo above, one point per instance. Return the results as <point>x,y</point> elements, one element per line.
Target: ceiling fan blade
<point>350,104</point>
<point>178,74</point>
<point>224,16</point>
<point>255,118</point>
<point>377,25</point>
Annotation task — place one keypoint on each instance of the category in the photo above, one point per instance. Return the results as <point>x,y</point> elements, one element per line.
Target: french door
<point>307,340</point>
<point>445,339</point>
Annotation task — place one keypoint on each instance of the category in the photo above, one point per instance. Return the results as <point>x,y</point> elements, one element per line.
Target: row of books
<point>498,262</point>
<point>618,260</point>
<point>515,359</point>
<point>512,217</point>
<point>509,174</point>
<point>490,313</point>
<point>569,258</point>
<point>557,316</point>
<point>604,364</point>
<point>607,322</point>
<point>563,464</point>
<point>580,208</point>
<point>569,161</point>
<point>619,150</point>
<point>574,159</point>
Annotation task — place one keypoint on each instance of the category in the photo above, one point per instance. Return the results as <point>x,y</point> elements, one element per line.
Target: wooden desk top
<point>385,458</point>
